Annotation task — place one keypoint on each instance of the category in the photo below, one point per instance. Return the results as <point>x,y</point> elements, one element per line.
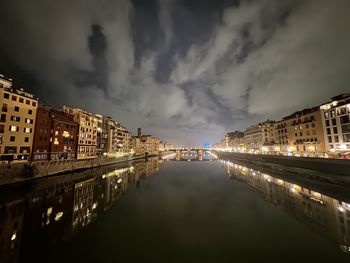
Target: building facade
<point>17,122</point>
<point>56,135</point>
<point>102,134</point>
<point>260,138</point>
<point>87,139</point>
<point>150,144</point>
<point>336,125</point>
<point>235,141</point>
<point>305,132</point>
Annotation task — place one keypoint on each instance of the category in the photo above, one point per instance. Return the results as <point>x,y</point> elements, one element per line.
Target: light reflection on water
<point>54,210</point>
<point>331,215</point>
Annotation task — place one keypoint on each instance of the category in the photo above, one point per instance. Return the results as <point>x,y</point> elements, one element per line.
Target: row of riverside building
<point>30,131</point>
<point>322,131</point>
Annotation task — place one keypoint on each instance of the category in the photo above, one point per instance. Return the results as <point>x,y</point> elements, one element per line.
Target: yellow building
<point>17,122</point>
<point>87,140</point>
<point>305,132</point>
<point>260,138</point>
<point>150,144</point>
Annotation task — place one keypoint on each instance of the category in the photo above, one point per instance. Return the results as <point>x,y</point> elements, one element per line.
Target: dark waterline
<point>183,212</point>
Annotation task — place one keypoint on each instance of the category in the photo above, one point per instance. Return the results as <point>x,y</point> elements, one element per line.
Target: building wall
<point>87,140</point>
<point>305,132</point>
<point>336,124</point>
<point>42,134</point>
<point>55,136</point>
<point>17,122</point>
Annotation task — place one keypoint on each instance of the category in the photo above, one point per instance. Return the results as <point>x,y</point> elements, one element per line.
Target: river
<point>171,211</point>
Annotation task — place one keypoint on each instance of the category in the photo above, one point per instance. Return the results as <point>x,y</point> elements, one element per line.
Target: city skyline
<point>186,72</point>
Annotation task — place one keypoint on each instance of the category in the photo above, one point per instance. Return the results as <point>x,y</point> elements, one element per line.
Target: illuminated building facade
<point>87,139</point>
<point>17,121</point>
<point>305,132</point>
<point>56,135</point>
<point>102,134</point>
<point>336,124</point>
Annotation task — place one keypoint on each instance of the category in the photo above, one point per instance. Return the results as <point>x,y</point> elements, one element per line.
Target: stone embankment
<point>329,166</point>
<point>18,172</point>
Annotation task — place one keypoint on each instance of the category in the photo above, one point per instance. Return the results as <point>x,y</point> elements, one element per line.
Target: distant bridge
<point>192,154</point>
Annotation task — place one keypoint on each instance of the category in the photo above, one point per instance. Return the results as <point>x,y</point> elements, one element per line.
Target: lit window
<point>66,134</point>
<point>13,128</point>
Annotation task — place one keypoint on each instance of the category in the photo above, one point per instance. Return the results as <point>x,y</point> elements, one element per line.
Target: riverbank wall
<point>18,172</point>
<point>325,165</point>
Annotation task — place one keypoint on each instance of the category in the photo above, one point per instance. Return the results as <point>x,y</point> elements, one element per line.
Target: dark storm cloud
<point>99,74</point>
<point>184,70</point>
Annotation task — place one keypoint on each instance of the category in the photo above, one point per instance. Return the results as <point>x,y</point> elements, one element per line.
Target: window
<point>328,130</point>
<point>346,138</point>
<point>27,130</point>
<point>313,125</point>
<point>336,138</point>
<point>3,118</point>
<point>30,112</point>
<point>329,139</point>
<point>4,107</point>
<point>345,119</point>
<point>2,128</point>
<point>34,104</point>
<point>333,113</point>
<point>334,122</point>
<point>26,139</point>
<point>327,123</point>
<point>313,132</point>
<point>15,118</point>
<point>28,121</point>
<point>17,108</point>
<point>326,115</point>
<point>342,111</point>
<point>6,96</point>
<point>335,130</point>
<point>27,102</point>
<point>307,126</point>
<point>21,100</point>
<point>14,98</point>
<point>345,128</point>
<point>13,128</point>
<point>12,138</point>
<point>300,133</point>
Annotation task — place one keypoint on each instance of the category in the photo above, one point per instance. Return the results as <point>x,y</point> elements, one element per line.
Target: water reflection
<point>330,216</point>
<point>51,210</point>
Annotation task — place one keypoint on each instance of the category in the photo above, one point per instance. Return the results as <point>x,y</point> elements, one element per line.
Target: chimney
<point>139,132</point>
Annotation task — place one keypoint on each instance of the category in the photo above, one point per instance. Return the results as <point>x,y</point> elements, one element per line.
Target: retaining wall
<point>325,165</point>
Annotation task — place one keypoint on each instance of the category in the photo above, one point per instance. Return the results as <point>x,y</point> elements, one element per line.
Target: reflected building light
<point>49,211</point>
<point>341,209</point>
<point>58,216</point>
<point>13,237</point>
<point>279,181</point>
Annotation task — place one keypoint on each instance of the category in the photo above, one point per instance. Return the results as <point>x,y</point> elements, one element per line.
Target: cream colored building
<point>151,144</point>
<point>87,141</point>
<point>17,122</point>
<point>336,124</point>
<point>260,138</point>
<point>305,132</point>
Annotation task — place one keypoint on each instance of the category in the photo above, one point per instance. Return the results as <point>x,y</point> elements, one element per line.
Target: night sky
<point>186,71</point>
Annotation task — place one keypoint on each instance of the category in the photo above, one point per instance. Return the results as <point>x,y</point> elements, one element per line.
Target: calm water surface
<point>199,211</point>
